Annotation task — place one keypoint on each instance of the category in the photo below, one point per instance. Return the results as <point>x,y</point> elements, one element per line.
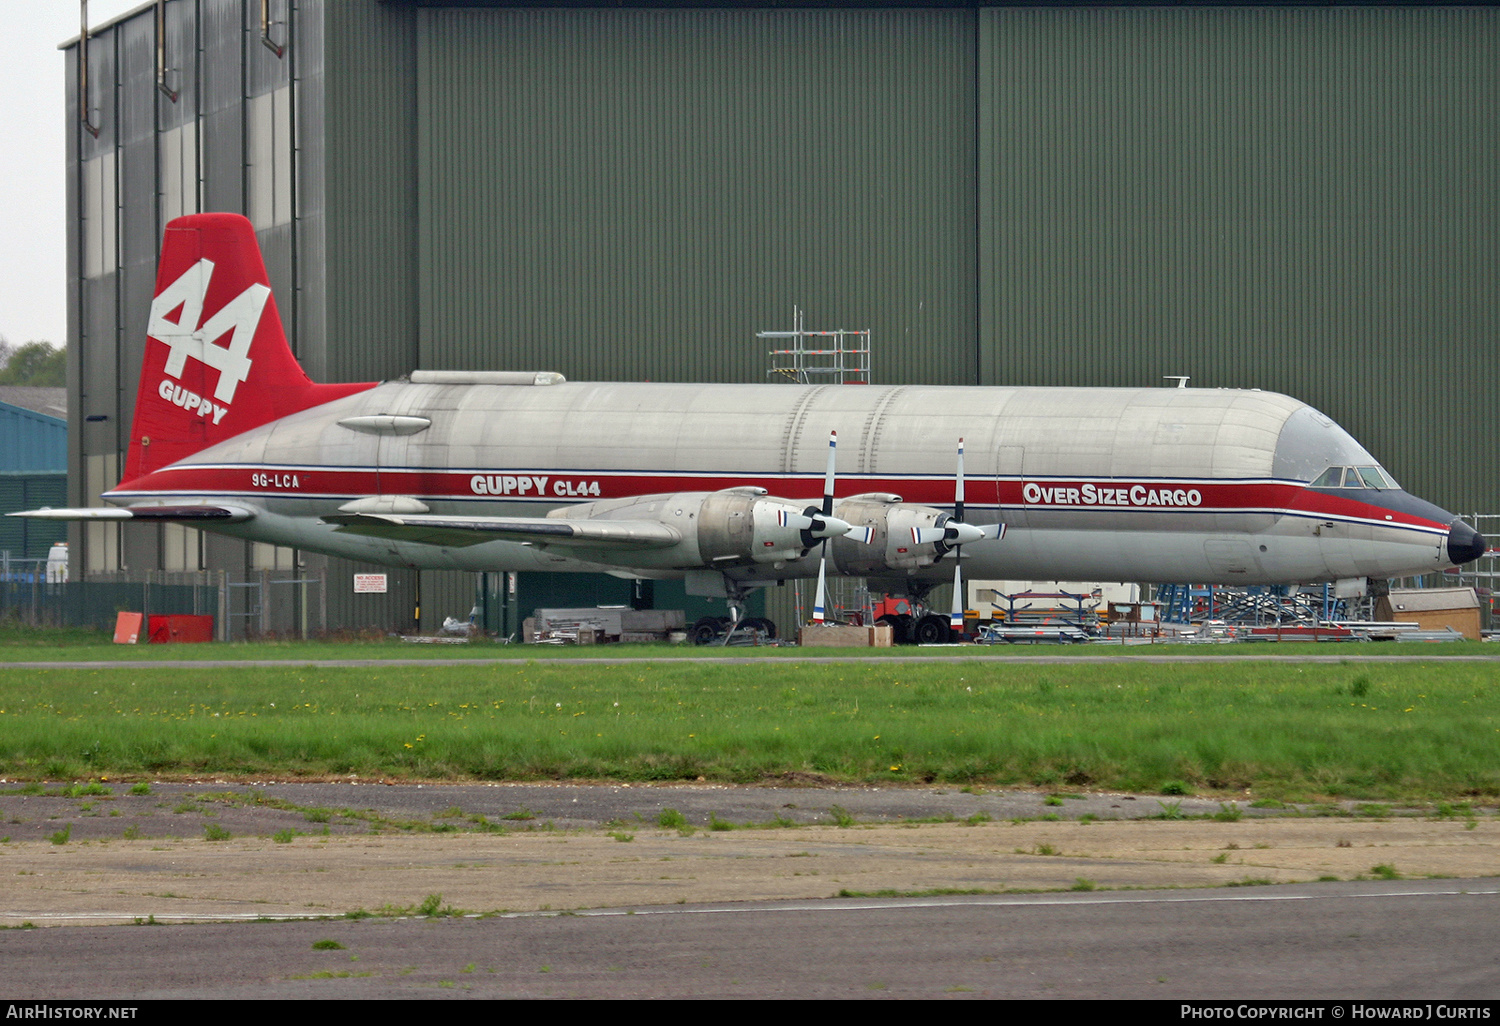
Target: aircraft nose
<point>1464,543</point>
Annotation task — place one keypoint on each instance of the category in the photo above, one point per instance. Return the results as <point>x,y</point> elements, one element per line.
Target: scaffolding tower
<point>839,357</point>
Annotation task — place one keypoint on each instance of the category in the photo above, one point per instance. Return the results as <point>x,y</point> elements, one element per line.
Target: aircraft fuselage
<point>1116,484</point>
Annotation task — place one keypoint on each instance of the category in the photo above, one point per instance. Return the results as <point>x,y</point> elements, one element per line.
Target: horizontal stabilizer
<point>461,530</point>
<point>183,514</point>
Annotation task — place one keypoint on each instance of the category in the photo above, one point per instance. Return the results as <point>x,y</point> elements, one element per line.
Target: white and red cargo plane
<point>718,484</point>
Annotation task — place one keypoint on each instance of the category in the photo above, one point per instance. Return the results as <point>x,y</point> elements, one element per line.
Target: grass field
<point>1401,731</point>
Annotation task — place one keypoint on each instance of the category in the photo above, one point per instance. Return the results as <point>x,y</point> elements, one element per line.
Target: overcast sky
<point>33,209</point>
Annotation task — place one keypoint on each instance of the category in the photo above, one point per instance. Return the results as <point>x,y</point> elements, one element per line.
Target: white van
<point>57,563</point>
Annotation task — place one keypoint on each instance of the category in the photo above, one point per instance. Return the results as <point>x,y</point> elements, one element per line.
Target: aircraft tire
<point>900,624</point>
<point>931,630</point>
<point>705,631</point>
<point>766,627</point>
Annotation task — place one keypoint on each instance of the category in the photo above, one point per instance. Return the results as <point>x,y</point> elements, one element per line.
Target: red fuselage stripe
<point>558,487</point>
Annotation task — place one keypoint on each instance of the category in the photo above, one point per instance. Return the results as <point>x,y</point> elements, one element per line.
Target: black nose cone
<point>1464,543</point>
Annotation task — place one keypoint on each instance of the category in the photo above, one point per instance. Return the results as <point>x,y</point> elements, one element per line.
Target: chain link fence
<point>258,604</point>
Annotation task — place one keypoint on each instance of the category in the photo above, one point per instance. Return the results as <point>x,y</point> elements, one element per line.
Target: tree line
<point>33,363</point>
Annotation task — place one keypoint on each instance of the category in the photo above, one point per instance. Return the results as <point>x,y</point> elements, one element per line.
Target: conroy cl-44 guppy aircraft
<point>719,484</point>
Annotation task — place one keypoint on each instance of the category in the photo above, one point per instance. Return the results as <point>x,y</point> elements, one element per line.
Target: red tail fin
<point>217,361</point>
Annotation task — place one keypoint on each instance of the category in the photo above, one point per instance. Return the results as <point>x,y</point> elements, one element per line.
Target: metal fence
<point>259,604</point>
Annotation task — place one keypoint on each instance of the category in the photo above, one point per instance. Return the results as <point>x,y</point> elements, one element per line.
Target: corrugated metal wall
<point>31,441</point>
<point>1297,199</point>
<point>33,458</point>
<point>367,218</point>
<point>31,539</point>
<point>369,132</point>
<point>631,194</point>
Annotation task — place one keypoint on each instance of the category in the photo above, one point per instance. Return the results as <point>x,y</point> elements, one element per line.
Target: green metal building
<point>1301,198</point>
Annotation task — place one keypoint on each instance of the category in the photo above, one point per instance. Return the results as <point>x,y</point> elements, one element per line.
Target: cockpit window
<point>1355,477</point>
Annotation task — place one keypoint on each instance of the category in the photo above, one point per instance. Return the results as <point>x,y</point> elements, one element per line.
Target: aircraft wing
<point>180,514</point>
<point>461,530</point>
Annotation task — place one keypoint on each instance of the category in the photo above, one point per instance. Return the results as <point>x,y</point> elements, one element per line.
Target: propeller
<point>953,533</point>
<point>820,603</point>
<point>956,617</point>
<point>822,524</point>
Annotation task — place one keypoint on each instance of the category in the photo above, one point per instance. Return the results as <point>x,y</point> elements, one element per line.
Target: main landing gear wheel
<point>706,630</point>
<point>900,624</point>
<point>766,627</point>
<point>931,630</point>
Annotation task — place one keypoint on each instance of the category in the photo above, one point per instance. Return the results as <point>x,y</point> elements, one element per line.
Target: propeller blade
<point>956,618</point>
<point>796,521</point>
<point>958,486</point>
<point>815,522</point>
<point>958,533</point>
<point>833,444</point>
<point>826,526</point>
<point>820,603</point>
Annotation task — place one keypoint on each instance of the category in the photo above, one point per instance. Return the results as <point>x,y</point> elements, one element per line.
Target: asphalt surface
<point>241,807</point>
<point>639,919</point>
<point>1429,941</point>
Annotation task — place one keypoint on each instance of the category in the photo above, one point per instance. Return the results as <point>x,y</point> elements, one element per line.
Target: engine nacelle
<point>739,526</point>
<point>895,546</point>
<point>746,527</point>
<point>736,527</point>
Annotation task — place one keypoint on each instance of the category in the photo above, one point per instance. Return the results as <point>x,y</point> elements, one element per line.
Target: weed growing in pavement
<point>840,815</point>
<point>1169,810</point>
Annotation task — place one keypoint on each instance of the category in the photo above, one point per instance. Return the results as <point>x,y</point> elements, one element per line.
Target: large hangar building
<point>1294,197</point>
